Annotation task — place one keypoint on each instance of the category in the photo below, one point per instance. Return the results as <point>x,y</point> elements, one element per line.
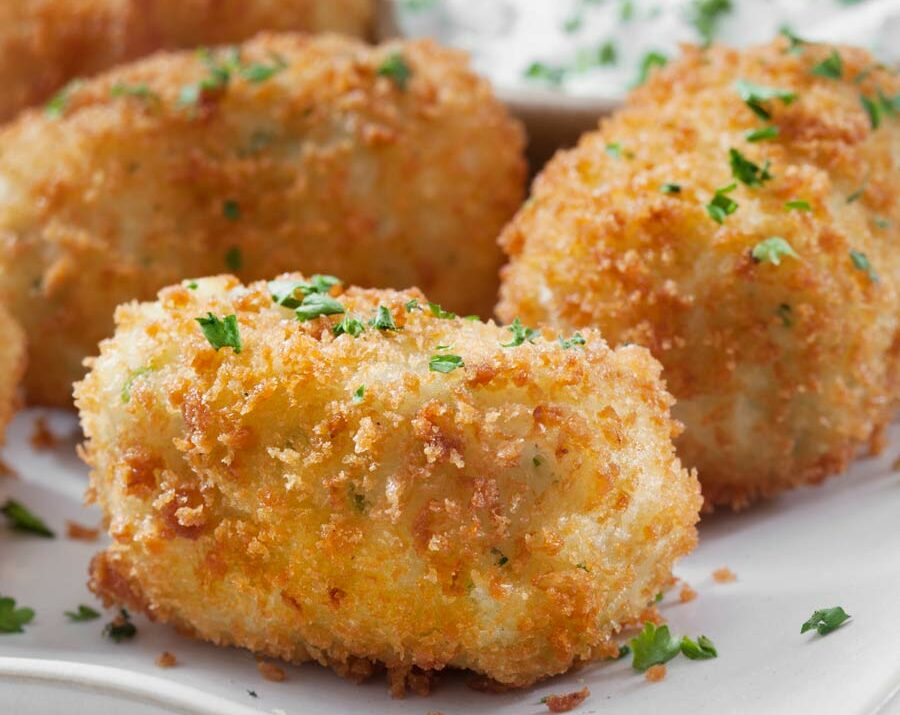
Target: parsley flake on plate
<point>772,250</point>
<point>831,67</point>
<point>21,519</point>
<point>11,618</point>
<point>701,649</point>
<point>395,67</point>
<point>754,95</point>
<point>653,646</point>
<point>746,171</point>
<point>825,620</point>
<point>445,363</point>
<point>520,334</point>
<point>221,332</point>
<point>84,613</point>
<point>120,628</point>
<point>705,16</point>
<point>722,205</point>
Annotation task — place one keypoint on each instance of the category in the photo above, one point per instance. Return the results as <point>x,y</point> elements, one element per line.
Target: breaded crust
<point>335,499</point>
<point>780,372</point>
<point>309,157</point>
<point>46,43</point>
<point>12,368</point>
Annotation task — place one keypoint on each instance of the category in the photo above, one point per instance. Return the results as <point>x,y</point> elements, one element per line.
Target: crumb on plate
<point>567,702</point>
<point>166,660</point>
<point>270,671</point>
<point>687,594</point>
<point>655,673</point>
<point>724,575</point>
<point>79,532</point>
<point>42,438</point>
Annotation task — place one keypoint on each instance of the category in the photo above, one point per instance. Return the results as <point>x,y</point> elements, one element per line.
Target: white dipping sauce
<point>595,48</point>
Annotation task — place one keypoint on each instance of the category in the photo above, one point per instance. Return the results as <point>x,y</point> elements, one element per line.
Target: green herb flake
<point>882,222</point>
<point>84,613</point>
<point>192,285</point>
<point>754,95</point>
<point>120,628</point>
<point>786,314</point>
<point>746,171</point>
<point>583,567</point>
<point>795,43</point>
<point>722,205</point>
<point>670,188</point>
<point>861,263</point>
<point>395,67</point>
<point>624,652</point>
<point>520,334</point>
<point>221,332</point>
<point>577,340</point>
<point>384,319</point>
<point>316,305</point>
<point>234,259</point>
<point>412,305</point>
<point>349,325</point>
<point>659,597</point>
<point>137,91</point>
<point>542,72</point>
<point>772,250</point>
<point>285,292</point>
<point>653,646</point>
<point>11,618</point>
<point>705,16</point>
<point>607,54</point>
<point>438,312</point>
<point>762,134</point>
<point>359,394</point>
<point>626,11</point>
<point>614,149</point>
<point>825,620</point>
<point>21,519</point>
<point>873,110</point>
<point>445,363</point>
<point>59,102</point>
<point>260,71</point>
<point>649,62</point>
<point>797,205</point>
<point>832,67</point>
<point>701,649</point>
<point>231,210</point>
<point>125,394</point>
<point>857,195</point>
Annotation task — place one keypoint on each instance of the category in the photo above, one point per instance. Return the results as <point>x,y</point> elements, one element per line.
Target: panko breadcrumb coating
<point>12,367</point>
<point>46,43</point>
<point>778,328</point>
<point>418,496</point>
<point>391,166</point>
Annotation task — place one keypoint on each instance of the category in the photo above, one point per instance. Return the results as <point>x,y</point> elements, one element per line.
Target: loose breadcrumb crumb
<point>655,673</point>
<point>78,532</point>
<point>166,660</point>
<point>724,575</point>
<point>651,614</point>
<point>7,471</point>
<point>896,465</point>
<point>565,703</point>
<point>687,594</point>
<point>270,671</point>
<point>42,438</point>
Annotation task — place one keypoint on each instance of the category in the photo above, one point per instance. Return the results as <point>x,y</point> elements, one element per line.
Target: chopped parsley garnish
<point>412,305</point>
<point>543,72</point>
<point>349,326</point>
<point>649,62</point>
<point>755,94</point>
<point>624,651</point>
<point>501,558</point>
<point>882,223</point>
<point>873,109</point>
<point>520,334</point>
<point>395,67</point>
<point>762,134</point>
<point>722,205</point>
<point>795,43</point>
<point>445,363</point>
<point>861,263</point>
<point>359,394</point>
<point>705,16</point>
<point>576,340</point>
<point>626,11</point>
<point>316,305</point>
<point>607,53</point>
<point>260,72</point>
<point>891,105</point>
<point>438,312</point>
<point>21,519</point>
<point>831,67</point>
<point>772,250</point>
<point>138,91</point>
<point>234,259</point>
<point>858,194</point>
<point>126,388</point>
<point>84,613</point>
<point>653,646</point>
<point>192,285</point>
<point>221,71</point>
<point>11,618</point>
<point>221,332</point>
<point>701,649</point>
<point>746,171</point>
<point>614,149</point>
<point>670,188</point>
<point>384,319</point>
<point>583,567</point>
<point>797,205</point>
<point>231,210</point>
<point>536,461</point>
<point>59,102</point>
<point>825,620</point>
<point>284,292</point>
<point>120,628</point>
<point>785,313</point>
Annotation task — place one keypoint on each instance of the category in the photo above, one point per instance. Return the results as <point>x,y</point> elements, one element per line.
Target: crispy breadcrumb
<point>724,575</point>
<point>656,673</point>
<point>271,672</point>
<point>307,156</point>
<point>784,357</point>
<point>78,532</point>
<point>566,703</point>
<point>42,438</point>
<point>46,43</point>
<point>12,368</point>
<point>687,594</point>
<point>166,660</point>
<point>351,500</point>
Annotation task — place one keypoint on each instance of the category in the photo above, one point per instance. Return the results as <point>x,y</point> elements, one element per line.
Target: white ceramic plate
<point>834,545</point>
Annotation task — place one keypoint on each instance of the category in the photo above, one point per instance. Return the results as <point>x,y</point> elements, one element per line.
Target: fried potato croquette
<point>46,43</point>
<point>12,367</point>
<point>391,166</point>
<point>740,218</point>
<point>388,485</point>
